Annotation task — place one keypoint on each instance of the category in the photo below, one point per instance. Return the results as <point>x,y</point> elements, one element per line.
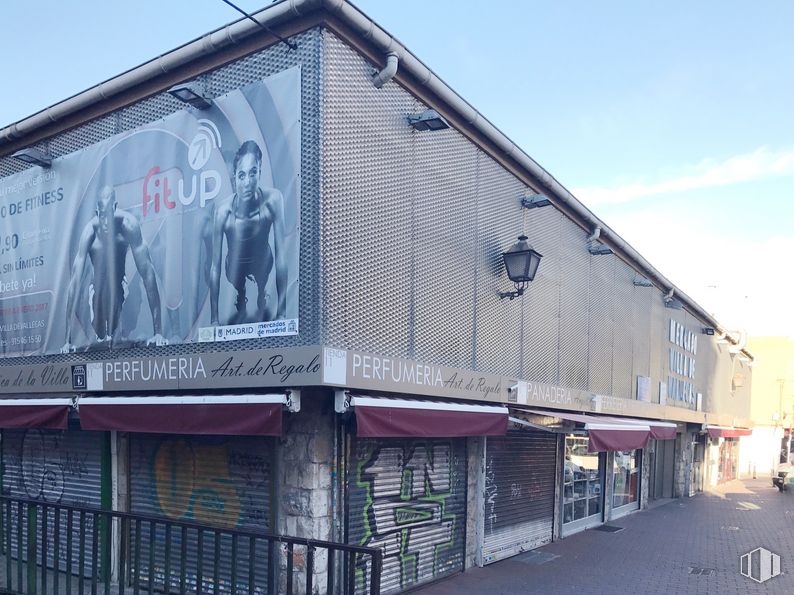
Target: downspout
<point>595,235</point>
<point>384,76</point>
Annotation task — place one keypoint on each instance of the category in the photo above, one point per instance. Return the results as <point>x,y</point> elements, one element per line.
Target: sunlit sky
<point>672,121</point>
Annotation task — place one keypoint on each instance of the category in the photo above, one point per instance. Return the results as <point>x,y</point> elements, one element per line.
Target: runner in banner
<point>105,241</point>
<point>245,221</point>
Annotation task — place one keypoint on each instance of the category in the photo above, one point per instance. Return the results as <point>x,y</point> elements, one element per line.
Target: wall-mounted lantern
<point>521,263</point>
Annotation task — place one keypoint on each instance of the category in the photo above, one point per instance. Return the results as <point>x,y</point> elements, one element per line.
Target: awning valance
<point>233,415</point>
<point>660,430</point>
<point>607,433</point>
<point>50,414</point>
<point>381,417</point>
<point>727,432</point>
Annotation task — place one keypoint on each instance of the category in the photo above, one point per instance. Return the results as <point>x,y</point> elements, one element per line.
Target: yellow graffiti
<point>195,483</point>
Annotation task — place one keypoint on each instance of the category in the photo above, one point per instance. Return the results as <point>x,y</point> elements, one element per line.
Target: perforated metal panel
<point>641,337</point>
<point>214,481</point>
<point>574,303</point>
<point>445,189</point>
<point>56,467</point>
<point>250,69</point>
<point>602,297</point>
<point>519,493</point>
<point>623,331</point>
<point>409,498</point>
<point>542,324</point>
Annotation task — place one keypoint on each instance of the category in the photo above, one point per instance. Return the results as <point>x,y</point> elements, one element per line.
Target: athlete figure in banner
<point>245,221</point>
<point>105,241</point>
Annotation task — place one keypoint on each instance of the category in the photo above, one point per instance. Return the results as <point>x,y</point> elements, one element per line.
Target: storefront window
<point>581,481</point>
<point>625,477</point>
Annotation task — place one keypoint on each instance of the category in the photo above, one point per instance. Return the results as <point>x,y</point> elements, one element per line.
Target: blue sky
<point>672,121</point>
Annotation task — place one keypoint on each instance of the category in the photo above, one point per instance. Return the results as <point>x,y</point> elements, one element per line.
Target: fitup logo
<point>205,184</point>
<point>207,138</point>
<point>760,565</point>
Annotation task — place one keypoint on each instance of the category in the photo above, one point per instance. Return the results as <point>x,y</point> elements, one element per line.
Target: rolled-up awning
<point>50,414</point>
<point>607,433</point>
<point>382,417</point>
<point>660,430</point>
<point>727,432</point>
<point>233,415</point>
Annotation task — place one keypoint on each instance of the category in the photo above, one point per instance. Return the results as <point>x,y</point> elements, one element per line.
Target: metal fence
<point>53,548</point>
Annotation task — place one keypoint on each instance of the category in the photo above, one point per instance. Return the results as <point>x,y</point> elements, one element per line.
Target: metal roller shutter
<point>216,481</point>
<point>409,498</point>
<point>519,493</point>
<point>56,467</point>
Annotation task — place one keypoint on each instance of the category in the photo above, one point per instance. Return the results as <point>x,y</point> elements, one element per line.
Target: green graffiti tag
<point>405,511</point>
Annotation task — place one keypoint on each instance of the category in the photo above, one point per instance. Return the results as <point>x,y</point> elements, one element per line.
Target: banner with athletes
<point>185,229</point>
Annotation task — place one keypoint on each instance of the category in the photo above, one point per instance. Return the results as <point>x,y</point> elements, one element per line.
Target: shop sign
<point>360,370</point>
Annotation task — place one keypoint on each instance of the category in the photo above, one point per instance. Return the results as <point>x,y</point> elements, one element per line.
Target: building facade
<point>329,355</point>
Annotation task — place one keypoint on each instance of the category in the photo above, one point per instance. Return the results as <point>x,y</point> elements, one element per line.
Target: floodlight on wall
<point>534,201</point>
<point>708,330</point>
<point>192,94</point>
<point>427,120</point>
<point>521,263</point>
<point>33,156</point>
<point>642,282</point>
<point>599,249</point>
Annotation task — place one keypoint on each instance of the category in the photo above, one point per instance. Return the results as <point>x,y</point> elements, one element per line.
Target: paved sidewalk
<point>655,551</point>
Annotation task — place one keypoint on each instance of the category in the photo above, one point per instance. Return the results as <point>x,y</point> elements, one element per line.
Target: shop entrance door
<point>583,486</point>
<point>662,470</point>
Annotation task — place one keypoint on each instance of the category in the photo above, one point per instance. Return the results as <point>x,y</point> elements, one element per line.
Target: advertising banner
<point>185,229</point>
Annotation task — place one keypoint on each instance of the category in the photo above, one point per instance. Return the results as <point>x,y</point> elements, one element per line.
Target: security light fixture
<point>34,156</point>
<point>427,120</point>
<point>533,201</point>
<point>673,303</point>
<point>708,330</point>
<point>192,94</point>
<point>521,263</point>
<point>599,249</point>
<point>642,282</point>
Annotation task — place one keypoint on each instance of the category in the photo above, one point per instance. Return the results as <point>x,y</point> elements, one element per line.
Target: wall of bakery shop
<point>412,228</point>
<point>247,70</point>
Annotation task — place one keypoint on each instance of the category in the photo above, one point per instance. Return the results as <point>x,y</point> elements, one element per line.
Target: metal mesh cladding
<point>623,332</point>
<point>602,297</point>
<point>367,214</point>
<point>641,358</point>
<point>574,298</point>
<point>542,326</point>
<point>247,70</point>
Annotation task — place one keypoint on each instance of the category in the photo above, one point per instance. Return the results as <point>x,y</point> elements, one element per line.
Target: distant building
<point>772,406</point>
<point>282,306</point>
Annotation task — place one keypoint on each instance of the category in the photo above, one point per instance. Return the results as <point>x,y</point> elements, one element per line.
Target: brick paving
<point>655,551</point>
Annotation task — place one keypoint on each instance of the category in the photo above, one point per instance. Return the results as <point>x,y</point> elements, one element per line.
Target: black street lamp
<point>521,264</point>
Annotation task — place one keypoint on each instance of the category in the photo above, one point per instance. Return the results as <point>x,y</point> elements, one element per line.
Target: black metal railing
<point>53,548</point>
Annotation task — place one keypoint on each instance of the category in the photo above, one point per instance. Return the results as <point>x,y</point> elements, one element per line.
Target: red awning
<point>231,415</point>
<point>50,414</point>
<point>404,418</point>
<point>607,433</point>
<point>727,432</point>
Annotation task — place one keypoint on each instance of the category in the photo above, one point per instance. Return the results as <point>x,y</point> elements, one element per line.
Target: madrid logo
<point>760,565</point>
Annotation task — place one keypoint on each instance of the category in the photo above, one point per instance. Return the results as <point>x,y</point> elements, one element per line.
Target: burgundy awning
<point>231,415</point>
<point>607,433</point>
<point>50,414</point>
<point>404,418</point>
<point>727,432</point>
